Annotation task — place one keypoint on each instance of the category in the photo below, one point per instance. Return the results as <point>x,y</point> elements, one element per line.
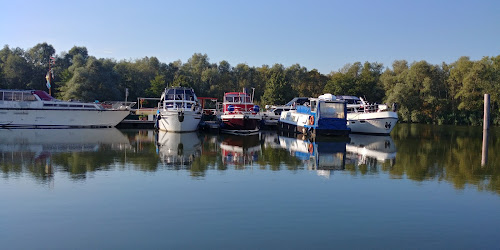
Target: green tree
<point>278,90</point>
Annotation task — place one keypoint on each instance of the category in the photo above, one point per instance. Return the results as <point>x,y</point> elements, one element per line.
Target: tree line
<point>425,93</point>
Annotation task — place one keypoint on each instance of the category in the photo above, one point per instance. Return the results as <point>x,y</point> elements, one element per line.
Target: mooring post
<point>486,126</point>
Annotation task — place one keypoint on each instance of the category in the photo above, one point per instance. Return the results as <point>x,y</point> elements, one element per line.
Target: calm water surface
<point>421,187</point>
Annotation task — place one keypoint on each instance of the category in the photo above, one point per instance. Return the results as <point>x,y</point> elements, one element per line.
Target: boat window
<point>179,94</point>
<point>313,106</point>
<point>247,99</point>
<point>331,110</point>
<point>1,95</point>
<point>62,105</point>
<point>75,106</point>
<point>170,94</point>
<point>17,96</point>
<point>7,96</point>
<point>89,106</point>
<point>229,99</point>
<point>28,97</point>
<point>49,105</point>
<point>236,99</point>
<point>189,95</point>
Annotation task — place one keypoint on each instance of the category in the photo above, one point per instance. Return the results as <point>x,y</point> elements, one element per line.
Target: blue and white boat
<point>324,115</point>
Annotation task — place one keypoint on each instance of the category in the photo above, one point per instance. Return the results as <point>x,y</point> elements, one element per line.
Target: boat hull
<point>308,130</point>
<point>372,123</point>
<point>240,123</point>
<point>47,118</point>
<point>172,122</point>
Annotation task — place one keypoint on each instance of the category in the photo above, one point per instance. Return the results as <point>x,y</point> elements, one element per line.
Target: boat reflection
<point>25,145</point>
<point>370,150</point>
<point>324,155</point>
<point>178,149</point>
<point>40,151</point>
<point>240,150</point>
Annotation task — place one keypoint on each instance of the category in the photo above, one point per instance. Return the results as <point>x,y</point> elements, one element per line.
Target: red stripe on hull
<point>241,124</point>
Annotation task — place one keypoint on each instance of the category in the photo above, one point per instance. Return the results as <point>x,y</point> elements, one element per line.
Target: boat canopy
<point>297,101</point>
<point>237,97</point>
<point>349,99</point>
<point>182,94</point>
<point>43,95</point>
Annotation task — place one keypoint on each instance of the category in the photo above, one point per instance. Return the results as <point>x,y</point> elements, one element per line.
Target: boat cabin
<point>24,95</point>
<point>238,102</point>
<point>40,99</point>
<point>178,98</point>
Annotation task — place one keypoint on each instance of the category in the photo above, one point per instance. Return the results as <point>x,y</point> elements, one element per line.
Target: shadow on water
<point>415,152</point>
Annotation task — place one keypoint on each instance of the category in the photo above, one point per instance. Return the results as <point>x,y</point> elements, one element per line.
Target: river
<point>421,187</point>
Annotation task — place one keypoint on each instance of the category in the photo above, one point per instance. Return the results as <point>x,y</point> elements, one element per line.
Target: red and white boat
<point>240,115</point>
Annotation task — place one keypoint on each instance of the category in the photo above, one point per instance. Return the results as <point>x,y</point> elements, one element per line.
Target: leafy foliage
<point>425,93</point>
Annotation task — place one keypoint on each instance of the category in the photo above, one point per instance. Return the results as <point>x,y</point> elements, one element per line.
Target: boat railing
<point>249,108</point>
<point>118,105</point>
<point>367,108</point>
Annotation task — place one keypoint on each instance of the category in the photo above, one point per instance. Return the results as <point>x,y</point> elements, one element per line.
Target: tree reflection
<point>447,153</point>
<point>424,152</point>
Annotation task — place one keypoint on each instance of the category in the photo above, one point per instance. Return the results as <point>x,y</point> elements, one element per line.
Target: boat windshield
<point>237,98</point>
<point>180,94</point>
<point>297,101</point>
<point>17,96</point>
<point>350,99</point>
<point>332,110</point>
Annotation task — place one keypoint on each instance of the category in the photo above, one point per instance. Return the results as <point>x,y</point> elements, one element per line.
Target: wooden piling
<point>486,127</point>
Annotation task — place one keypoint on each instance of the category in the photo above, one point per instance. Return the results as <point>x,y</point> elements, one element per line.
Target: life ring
<point>311,148</point>
<point>311,120</point>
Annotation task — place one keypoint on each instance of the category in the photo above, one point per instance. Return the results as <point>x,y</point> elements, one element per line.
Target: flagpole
<point>50,75</point>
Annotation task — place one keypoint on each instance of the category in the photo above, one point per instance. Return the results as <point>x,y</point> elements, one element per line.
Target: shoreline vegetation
<point>450,93</point>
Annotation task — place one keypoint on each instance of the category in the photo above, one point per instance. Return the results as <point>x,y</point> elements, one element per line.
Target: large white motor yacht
<point>36,108</point>
<point>363,117</point>
<point>179,110</point>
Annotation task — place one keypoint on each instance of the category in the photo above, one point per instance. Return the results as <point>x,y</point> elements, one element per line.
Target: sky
<point>322,35</point>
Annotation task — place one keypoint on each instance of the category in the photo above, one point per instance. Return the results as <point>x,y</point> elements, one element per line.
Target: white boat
<point>240,115</point>
<point>178,111</point>
<point>178,149</point>
<point>324,115</point>
<point>271,115</point>
<point>36,108</point>
<point>363,117</point>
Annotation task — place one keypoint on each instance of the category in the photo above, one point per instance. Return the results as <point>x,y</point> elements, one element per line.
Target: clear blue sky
<point>324,35</point>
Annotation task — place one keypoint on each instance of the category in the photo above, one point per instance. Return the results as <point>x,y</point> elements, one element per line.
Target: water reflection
<point>240,150</point>
<point>371,151</point>
<point>178,150</point>
<point>415,152</point>
<point>324,154</point>
<point>36,151</point>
